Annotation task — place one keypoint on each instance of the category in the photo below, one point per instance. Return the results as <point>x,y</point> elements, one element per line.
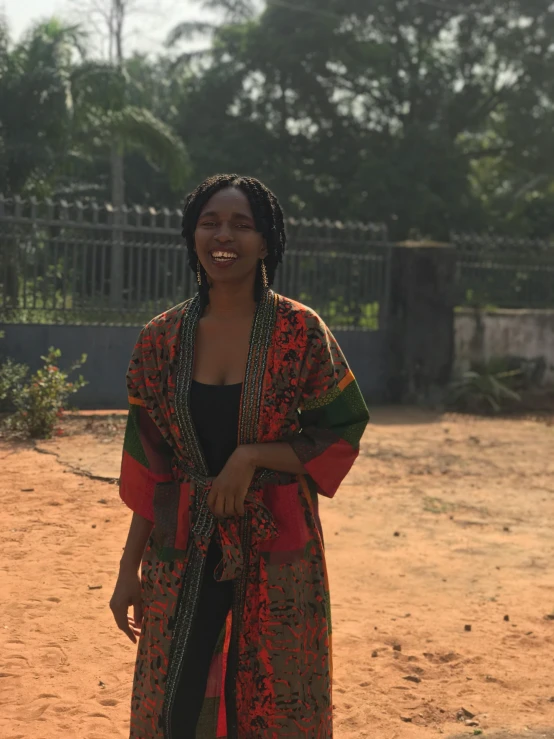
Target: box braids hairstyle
<point>268,218</point>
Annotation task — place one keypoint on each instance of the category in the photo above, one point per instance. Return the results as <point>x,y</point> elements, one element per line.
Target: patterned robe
<point>275,648</point>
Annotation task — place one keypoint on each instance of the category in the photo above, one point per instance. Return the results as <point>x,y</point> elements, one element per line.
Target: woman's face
<point>227,243</point>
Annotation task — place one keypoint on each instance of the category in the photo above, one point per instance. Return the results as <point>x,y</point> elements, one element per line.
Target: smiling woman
<point>226,236</point>
<point>243,410</point>
<point>230,215</point>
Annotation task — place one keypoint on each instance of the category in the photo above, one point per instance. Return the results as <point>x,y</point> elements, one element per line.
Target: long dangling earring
<point>265,281</point>
<point>198,271</point>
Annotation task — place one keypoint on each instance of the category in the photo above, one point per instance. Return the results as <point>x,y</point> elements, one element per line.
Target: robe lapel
<point>260,345</point>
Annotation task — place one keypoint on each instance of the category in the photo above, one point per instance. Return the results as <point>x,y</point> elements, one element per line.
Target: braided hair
<point>268,219</point>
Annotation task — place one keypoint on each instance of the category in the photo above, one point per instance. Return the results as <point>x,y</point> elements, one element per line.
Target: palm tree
<point>234,12</point>
<point>105,120</point>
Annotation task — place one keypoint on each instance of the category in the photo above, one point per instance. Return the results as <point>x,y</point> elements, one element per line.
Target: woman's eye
<point>209,224</point>
<point>244,225</point>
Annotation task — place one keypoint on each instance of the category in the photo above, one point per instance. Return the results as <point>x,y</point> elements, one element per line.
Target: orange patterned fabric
<point>276,647</point>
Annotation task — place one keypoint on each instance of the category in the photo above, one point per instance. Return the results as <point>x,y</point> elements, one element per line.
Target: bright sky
<point>145,32</point>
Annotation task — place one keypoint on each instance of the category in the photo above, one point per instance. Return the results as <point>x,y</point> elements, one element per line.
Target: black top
<point>215,413</point>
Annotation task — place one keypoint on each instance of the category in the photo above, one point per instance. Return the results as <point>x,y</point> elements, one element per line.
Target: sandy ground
<point>440,553</point>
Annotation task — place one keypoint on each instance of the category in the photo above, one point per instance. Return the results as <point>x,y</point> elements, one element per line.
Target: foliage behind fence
<point>80,263</point>
<point>499,272</point>
<point>62,263</point>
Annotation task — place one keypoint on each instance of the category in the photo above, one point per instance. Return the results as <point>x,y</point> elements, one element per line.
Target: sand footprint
<point>9,660</point>
<point>53,655</point>
<point>108,702</point>
<point>37,712</point>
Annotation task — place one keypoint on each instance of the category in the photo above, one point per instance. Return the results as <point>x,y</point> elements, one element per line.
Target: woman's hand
<point>127,593</point>
<point>230,487</point>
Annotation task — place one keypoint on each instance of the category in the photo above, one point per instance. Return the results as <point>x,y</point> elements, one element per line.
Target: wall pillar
<point>421,328</point>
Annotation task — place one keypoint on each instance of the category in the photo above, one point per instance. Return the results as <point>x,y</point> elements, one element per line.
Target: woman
<point>242,411</point>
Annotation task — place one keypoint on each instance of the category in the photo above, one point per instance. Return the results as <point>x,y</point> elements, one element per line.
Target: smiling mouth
<point>220,256</point>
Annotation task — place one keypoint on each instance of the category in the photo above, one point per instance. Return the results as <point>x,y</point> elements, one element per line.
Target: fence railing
<point>78,263</point>
<point>500,272</point>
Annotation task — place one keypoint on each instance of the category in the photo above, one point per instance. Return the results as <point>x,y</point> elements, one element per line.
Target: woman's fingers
<point>229,506</point>
<point>219,506</point>
<point>225,504</point>
<point>121,617</point>
<point>133,627</point>
<point>137,610</point>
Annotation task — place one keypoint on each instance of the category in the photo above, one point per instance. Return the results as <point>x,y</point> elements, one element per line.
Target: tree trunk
<point>118,201</point>
<point>118,176</point>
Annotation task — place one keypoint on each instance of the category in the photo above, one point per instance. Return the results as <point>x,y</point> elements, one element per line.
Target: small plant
<point>40,402</point>
<point>484,388</point>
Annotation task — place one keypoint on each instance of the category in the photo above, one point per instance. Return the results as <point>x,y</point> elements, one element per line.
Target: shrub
<point>12,380</point>
<point>485,388</point>
<point>41,400</point>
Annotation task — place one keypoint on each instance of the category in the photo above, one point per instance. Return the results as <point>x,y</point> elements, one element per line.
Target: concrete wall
<point>484,335</point>
<point>109,349</point>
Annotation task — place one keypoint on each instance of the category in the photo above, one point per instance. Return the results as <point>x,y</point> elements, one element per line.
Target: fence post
<point>13,266</point>
<point>384,310</point>
<point>421,328</point>
<point>116,261</point>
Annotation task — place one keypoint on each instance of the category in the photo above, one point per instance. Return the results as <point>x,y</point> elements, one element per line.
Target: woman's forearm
<point>278,456</point>
<point>139,531</point>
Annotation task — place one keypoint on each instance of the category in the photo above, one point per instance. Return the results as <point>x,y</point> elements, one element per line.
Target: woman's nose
<point>224,234</point>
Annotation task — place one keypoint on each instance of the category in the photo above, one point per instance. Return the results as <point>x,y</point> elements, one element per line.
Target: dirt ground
<point>440,550</point>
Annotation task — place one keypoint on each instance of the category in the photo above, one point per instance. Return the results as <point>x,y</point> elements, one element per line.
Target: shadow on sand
<point>534,734</point>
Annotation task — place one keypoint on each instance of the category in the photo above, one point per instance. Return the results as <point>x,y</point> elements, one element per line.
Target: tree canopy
<point>428,115</point>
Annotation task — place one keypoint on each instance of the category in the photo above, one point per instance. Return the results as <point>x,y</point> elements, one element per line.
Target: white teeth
<point>223,255</point>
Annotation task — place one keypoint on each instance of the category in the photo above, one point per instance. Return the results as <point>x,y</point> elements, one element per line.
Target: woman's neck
<point>229,300</point>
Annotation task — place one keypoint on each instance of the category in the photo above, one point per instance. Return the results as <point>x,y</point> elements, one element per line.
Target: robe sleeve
<point>333,414</point>
<point>147,457</point>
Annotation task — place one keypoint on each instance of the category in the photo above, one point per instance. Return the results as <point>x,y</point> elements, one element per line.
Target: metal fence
<point>500,272</point>
<point>77,263</point>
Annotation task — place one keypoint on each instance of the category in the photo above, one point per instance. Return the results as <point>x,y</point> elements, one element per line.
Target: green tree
<point>380,109</point>
<point>155,85</point>
<point>106,121</point>
<point>35,107</point>
<point>106,114</point>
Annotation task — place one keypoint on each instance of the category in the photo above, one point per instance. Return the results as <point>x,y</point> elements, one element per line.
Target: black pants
<point>213,607</point>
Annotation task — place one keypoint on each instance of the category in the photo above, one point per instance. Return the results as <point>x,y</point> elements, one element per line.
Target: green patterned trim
<point>260,342</point>
<point>183,383</point>
<point>352,433</point>
<point>346,415</point>
<point>325,400</point>
<point>132,443</point>
<point>349,405</point>
<point>168,554</point>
